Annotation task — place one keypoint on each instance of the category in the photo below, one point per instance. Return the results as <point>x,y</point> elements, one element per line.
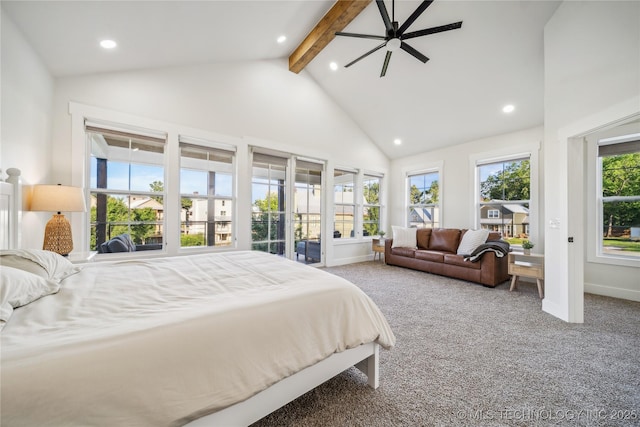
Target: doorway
<point>286,217</point>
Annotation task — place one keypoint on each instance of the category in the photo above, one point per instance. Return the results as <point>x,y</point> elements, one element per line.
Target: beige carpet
<point>474,356</point>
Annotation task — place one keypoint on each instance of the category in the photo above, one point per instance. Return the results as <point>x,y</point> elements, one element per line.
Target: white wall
<point>457,182</point>
<point>253,103</point>
<point>592,78</point>
<point>260,100</point>
<point>25,133</point>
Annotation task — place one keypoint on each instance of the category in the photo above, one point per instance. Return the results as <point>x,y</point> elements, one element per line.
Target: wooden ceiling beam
<point>336,19</point>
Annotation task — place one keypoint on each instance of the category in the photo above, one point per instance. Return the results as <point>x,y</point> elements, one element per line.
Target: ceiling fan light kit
<point>396,36</point>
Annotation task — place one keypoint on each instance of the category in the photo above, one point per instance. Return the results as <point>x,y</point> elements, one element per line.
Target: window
<point>504,195</point>
<point>371,207</point>
<point>424,200</point>
<point>344,206</point>
<point>268,186</point>
<point>206,185</point>
<point>619,199</point>
<point>127,192</point>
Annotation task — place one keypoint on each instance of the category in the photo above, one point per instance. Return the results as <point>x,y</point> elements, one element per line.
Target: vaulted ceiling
<point>495,59</point>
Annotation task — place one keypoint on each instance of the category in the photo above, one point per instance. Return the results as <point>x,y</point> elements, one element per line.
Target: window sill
<point>625,261</point>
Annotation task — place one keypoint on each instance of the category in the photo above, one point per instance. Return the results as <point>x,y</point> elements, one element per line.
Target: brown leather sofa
<point>436,253</point>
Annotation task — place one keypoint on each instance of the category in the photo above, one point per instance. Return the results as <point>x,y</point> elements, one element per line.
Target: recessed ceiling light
<point>282,39</point>
<point>108,44</point>
<point>333,66</point>
<point>397,141</point>
<point>508,108</point>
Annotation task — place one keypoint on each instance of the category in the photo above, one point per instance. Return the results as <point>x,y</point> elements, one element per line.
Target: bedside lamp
<point>58,198</point>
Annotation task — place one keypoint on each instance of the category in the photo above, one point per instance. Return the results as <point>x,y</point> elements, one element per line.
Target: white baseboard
<point>610,291</point>
<point>350,260</point>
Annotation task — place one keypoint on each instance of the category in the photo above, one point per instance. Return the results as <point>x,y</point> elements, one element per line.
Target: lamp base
<point>57,235</point>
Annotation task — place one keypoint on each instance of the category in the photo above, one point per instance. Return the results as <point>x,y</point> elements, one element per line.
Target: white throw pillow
<point>19,288</point>
<point>404,237</point>
<point>49,265</point>
<point>471,240</point>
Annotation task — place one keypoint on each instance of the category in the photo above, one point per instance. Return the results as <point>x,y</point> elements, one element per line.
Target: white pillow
<point>19,288</point>
<point>404,237</point>
<point>52,265</point>
<point>471,240</point>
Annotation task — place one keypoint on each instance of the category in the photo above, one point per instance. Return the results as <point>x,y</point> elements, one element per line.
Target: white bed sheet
<point>164,341</point>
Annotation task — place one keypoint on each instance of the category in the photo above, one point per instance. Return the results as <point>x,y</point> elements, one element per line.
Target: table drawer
<point>533,270</point>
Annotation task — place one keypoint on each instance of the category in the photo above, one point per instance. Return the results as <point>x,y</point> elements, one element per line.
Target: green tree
<point>427,196</point>
<point>621,177</point>
<point>139,232</point>
<point>264,208</point>
<point>511,183</point>
<point>372,214</point>
<point>158,187</point>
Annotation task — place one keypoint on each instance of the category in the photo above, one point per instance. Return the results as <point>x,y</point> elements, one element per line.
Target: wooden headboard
<point>10,210</point>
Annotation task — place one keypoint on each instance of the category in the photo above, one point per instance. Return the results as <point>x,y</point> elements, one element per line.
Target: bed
<point>210,339</point>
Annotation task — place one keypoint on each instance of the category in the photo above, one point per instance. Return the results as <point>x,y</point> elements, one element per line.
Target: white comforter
<point>163,341</point>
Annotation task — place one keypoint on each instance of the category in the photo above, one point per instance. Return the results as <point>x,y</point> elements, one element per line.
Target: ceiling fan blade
<point>362,36</point>
<point>385,15</point>
<point>386,63</point>
<point>432,30</point>
<point>365,55</point>
<point>416,13</point>
<point>413,52</point>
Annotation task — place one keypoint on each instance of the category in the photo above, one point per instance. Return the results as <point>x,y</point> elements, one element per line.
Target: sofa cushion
<point>404,237</point>
<point>422,237</point>
<point>430,255</point>
<point>453,259</point>
<point>444,239</point>
<point>405,252</point>
<point>471,239</point>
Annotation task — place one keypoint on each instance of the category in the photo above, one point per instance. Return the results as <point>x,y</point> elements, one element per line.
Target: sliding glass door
<point>287,207</point>
<point>307,213</point>
<point>268,218</point>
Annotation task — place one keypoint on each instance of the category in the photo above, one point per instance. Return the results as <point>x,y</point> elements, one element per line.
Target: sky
<point>139,178</point>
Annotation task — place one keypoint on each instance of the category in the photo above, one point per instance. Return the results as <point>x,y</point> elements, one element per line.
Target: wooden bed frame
<point>365,357</point>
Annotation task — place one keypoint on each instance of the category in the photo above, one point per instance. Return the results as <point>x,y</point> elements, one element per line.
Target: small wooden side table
<point>526,265</point>
<point>378,248</point>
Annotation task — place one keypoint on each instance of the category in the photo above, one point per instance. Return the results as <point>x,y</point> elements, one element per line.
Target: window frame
<point>80,158</point>
<point>352,205</point>
<point>437,206</point>
<point>597,254</point>
<point>480,204</point>
<point>517,150</point>
<point>370,176</point>
<point>272,161</point>
<point>213,148</point>
<point>128,194</point>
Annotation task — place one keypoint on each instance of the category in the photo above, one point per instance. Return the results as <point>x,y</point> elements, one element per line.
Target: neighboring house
<point>197,219</point>
<point>308,213</point>
<point>510,220</point>
<point>148,202</point>
<point>424,217</point>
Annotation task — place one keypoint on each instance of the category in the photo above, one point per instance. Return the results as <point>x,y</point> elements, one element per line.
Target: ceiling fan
<point>395,36</point>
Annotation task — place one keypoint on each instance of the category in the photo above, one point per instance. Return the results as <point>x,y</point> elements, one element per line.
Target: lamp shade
<point>57,198</point>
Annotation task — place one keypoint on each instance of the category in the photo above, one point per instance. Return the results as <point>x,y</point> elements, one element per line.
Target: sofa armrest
<point>493,270</point>
<point>387,246</point>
